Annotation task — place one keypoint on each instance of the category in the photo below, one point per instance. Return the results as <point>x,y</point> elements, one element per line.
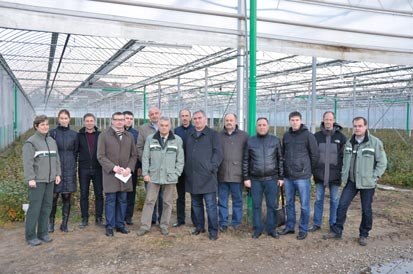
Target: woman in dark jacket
<point>66,140</point>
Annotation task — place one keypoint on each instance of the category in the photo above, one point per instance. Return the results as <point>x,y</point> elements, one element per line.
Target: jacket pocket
<point>171,176</point>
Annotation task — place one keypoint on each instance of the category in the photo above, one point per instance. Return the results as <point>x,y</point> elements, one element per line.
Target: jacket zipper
<point>50,160</point>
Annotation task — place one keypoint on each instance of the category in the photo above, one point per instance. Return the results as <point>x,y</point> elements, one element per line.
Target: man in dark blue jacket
<point>203,154</point>
<point>331,144</point>
<point>262,168</point>
<point>89,169</point>
<point>131,196</point>
<point>182,131</point>
<point>301,155</point>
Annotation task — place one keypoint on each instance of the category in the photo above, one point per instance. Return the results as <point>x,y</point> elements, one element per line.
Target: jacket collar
<point>157,136</point>
<point>365,140</point>
<point>83,130</point>
<point>234,132</point>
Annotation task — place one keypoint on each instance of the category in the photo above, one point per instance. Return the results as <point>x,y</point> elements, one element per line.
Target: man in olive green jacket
<point>363,163</point>
<point>162,164</point>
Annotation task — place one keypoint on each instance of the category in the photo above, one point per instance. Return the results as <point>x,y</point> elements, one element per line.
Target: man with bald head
<point>233,141</point>
<point>144,131</point>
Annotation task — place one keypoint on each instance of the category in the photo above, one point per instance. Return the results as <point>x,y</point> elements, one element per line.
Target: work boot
<point>65,216</point>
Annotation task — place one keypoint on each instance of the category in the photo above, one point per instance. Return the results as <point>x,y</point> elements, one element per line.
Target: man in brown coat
<point>117,154</point>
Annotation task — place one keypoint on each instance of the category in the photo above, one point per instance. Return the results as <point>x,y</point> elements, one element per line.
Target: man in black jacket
<point>331,144</point>
<point>203,154</point>
<point>89,169</point>
<point>301,155</point>
<point>262,168</point>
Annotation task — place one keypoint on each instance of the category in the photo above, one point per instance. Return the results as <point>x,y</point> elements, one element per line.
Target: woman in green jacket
<point>41,167</point>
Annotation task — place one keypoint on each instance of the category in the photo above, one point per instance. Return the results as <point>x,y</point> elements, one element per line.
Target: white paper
<point>122,178</point>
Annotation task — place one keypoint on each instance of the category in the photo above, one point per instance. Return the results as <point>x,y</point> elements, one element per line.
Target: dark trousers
<point>40,205</point>
<point>115,209</point>
<point>85,176</point>
<point>197,201</point>
<point>347,196</point>
<point>180,202</point>
<point>131,197</point>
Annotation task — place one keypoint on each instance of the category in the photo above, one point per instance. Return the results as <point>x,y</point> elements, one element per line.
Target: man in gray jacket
<point>162,164</point>
<point>233,141</point>
<point>143,132</point>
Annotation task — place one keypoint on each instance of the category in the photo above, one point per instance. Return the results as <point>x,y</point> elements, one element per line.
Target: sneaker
<point>331,235</point>
<point>363,241</point>
<point>142,232</point>
<point>314,228</point>
<point>34,242</point>
<point>164,231</point>
<point>46,238</point>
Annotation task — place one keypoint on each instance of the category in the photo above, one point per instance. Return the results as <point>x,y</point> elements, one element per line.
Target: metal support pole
<point>159,95</point>
<point>252,103</point>
<point>314,94</point>
<point>179,94</point>
<point>206,94</point>
<point>144,104</point>
<point>335,106</point>
<point>240,67</point>
<point>15,111</point>
<point>354,97</point>
<point>408,117</point>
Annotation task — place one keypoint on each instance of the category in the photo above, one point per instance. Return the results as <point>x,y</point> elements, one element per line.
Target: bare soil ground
<point>90,251</point>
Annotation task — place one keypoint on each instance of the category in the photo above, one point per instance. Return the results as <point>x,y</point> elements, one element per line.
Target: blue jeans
<point>347,196</point>
<point>319,203</point>
<point>197,201</point>
<point>270,189</point>
<point>115,209</point>
<point>224,188</point>
<point>303,188</point>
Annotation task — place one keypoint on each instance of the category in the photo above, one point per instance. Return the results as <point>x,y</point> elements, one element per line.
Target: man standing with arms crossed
<point>300,157</point>
<point>363,164</point>
<point>182,131</point>
<point>233,141</point>
<point>331,143</point>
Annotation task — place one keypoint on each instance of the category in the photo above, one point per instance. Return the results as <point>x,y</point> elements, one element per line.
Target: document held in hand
<point>123,178</point>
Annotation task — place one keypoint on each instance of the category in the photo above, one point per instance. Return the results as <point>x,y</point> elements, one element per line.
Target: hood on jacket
<point>300,130</point>
<point>336,127</point>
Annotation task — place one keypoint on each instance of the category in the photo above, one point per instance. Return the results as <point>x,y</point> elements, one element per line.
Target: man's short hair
<point>294,114</point>
<point>89,115</point>
<point>331,112</point>
<point>200,111</point>
<point>262,118</point>
<point>38,120</point>
<point>164,118</point>
<point>184,109</point>
<point>231,113</point>
<point>127,112</point>
<point>117,113</point>
<point>360,118</point>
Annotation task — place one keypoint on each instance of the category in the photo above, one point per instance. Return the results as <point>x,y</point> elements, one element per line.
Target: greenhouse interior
<point>255,58</point>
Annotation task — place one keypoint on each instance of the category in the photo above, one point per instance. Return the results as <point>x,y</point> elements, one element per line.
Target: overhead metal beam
<point>52,52</point>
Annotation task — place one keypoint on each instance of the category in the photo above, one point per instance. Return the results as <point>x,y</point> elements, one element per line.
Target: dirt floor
<point>90,251</point>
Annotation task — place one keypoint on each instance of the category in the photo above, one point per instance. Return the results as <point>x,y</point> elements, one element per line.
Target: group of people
<point>208,164</point>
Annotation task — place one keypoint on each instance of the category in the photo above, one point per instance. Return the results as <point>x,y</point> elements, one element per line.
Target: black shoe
<point>128,221</point>
<point>286,231</point>
<point>331,235</point>
<point>213,237</point>
<point>122,230</point>
<point>63,227</point>
<point>46,238</point>
<point>198,231</point>
<point>314,228</point>
<point>256,235</point>
<point>223,228</point>
<point>84,223</point>
<point>274,235</point>
<point>363,241</point>
<point>50,227</point>
<point>109,232</point>
<point>301,235</point>
<point>178,224</point>
<point>153,222</point>
<point>99,221</point>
